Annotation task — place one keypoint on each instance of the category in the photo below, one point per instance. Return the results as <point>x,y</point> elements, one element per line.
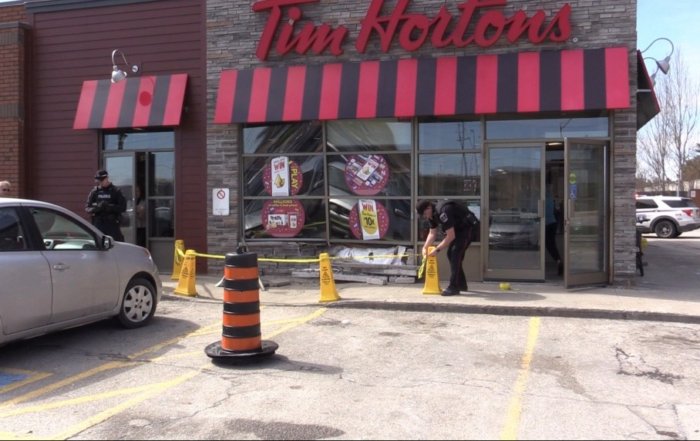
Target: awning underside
<point>647,103</point>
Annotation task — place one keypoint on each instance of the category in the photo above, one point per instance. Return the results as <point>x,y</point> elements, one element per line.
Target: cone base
<point>217,353</point>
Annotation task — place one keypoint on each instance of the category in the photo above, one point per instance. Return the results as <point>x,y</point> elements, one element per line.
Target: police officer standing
<point>459,225</point>
<point>106,203</point>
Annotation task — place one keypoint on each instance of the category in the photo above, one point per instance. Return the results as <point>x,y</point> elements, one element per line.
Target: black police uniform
<point>450,214</point>
<point>106,206</point>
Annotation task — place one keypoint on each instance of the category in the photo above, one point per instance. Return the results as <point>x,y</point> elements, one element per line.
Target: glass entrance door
<point>586,214</point>
<point>515,206</point>
<point>122,173</point>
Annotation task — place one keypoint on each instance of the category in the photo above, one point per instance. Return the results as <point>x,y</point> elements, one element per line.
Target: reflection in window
<point>397,220</point>
<point>391,178</point>
<point>257,168</point>
<point>139,141</point>
<point>162,217</point>
<point>11,234</point>
<point>60,233</point>
<point>162,174</point>
<point>449,174</point>
<point>301,137</point>
<point>457,135</point>
<point>314,224</point>
<point>368,135</point>
<point>548,128</point>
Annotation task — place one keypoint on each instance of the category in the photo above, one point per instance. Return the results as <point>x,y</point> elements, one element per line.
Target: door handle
<point>61,267</point>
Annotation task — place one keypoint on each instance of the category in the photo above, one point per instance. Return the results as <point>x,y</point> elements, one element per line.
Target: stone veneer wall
<point>233,32</point>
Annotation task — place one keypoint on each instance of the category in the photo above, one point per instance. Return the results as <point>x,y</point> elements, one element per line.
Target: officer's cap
<point>101,174</point>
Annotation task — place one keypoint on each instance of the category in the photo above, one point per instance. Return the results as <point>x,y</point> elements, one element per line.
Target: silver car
<point>57,271</point>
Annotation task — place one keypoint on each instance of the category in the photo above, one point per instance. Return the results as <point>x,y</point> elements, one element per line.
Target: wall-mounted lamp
<point>663,65</point>
<point>118,74</point>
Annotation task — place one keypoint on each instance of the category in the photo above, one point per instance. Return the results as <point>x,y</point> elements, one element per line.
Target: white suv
<point>667,216</point>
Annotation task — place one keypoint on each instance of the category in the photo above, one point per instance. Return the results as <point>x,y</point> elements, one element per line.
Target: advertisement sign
<point>282,177</point>
<point>283,217</point>
<point>366,175</point>
<point>369,220</point>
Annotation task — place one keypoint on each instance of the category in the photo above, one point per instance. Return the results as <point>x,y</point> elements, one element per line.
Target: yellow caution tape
<point>422,268</point>
<point>316,260</point>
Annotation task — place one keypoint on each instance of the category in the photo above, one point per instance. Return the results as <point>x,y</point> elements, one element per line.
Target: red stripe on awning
<point>330,91</point>
<point>534,74</point>
<point>486,83</point>
<point>227,94</point>
<point>129,103</point>
<point>176,100</point>
<point>367,93</point>
<point>87,97</point>
<point>294,95</point>
<point>445,86</point>
<point>617,84</point>
<point>407,71</point>
<point>572,97</point>
<point>114,105</point>
<point>529,82</point>
<point>143,113</point>
<point>259,94</point>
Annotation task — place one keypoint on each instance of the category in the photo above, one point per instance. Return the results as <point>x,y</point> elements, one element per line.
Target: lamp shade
<point>664,65</point>
<point>118,75</point>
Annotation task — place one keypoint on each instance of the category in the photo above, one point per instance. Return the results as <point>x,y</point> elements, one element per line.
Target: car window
<point>682,203</point>
<point>646,204</point>
<point>59,232</point>
<point>11,231</point>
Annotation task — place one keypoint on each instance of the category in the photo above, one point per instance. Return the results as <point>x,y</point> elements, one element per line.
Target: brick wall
<point>14,46</point>
<point>233,31</point>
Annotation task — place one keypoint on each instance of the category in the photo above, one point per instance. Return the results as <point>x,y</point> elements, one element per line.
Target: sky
<point>677,20</point>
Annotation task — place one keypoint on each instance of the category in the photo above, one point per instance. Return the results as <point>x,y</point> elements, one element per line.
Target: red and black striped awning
<point>521,82</point>
<point>148,101</point>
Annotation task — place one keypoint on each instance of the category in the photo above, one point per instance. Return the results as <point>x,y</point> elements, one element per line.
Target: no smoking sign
<point>220,202</point>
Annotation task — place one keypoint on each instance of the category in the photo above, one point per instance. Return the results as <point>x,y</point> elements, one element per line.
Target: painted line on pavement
<point>512,423</point>
<point>151,390</point>
<point>26,377</point>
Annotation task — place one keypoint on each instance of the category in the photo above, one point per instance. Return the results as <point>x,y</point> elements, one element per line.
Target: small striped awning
<point>567,80</point>
<point>148,101</point>
<point>647,102</point>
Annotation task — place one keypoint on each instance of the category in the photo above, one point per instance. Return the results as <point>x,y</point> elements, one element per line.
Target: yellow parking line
<point>512,423</point>
<point>162,387</point>
<point>33,377</point>
<point>94,371</point>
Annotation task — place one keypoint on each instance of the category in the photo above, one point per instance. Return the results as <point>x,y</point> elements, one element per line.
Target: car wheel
<point>665,229</point>
<point>139,304</point>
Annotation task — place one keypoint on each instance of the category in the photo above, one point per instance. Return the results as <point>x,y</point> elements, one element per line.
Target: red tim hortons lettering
<point>310,37</point>
<point>413,30</point>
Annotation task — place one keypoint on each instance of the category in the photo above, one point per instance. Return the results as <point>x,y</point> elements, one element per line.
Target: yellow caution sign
<point>186,283</point>
<point>178,259</point>
<point>432,281</point>
<point>329,293</point>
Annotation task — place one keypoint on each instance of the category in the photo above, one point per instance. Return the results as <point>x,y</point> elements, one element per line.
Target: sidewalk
<point>523,299</point>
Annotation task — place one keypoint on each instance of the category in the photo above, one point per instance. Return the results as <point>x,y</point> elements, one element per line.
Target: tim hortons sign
<point>413,30</point>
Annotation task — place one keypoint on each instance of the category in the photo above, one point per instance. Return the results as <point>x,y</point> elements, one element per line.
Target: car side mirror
<point>107,243</point>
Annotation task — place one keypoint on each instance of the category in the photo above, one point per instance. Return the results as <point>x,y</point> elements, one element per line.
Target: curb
<point>522,311</point>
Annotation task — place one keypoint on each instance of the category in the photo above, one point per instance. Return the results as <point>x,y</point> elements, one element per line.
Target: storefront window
<point>283,138</point>
<point>285,218</point>
<point>449,175</point>
<point>139,141</point>
<point>449,135</point>
<point>548,128</point>
<point>376,135</point>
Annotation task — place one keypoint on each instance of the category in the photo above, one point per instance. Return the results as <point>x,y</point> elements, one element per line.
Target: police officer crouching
<point>460,226</point>
<point>106,203</point>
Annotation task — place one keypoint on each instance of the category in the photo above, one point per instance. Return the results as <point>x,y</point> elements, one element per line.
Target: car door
<point>25,290</point>
<point>85,278</point>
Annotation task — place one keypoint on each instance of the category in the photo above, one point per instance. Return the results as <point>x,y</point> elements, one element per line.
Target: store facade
<point>365,107</point>
<point>295,127</point>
